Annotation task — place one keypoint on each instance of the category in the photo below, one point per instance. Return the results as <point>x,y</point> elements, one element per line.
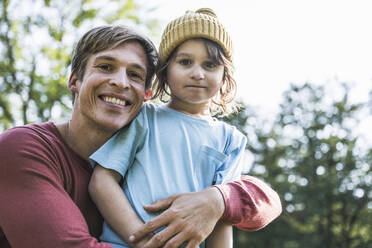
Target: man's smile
<point>115,100</point>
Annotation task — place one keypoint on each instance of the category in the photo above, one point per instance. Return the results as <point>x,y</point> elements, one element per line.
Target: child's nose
<point>198,73</point>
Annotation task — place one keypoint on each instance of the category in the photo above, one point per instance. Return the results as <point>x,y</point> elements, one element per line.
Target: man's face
<point>113,87</point>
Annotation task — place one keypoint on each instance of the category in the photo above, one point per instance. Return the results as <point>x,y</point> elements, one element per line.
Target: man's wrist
<point>218,201</point>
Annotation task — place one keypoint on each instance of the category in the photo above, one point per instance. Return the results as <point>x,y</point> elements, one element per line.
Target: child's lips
<point>195,86</point>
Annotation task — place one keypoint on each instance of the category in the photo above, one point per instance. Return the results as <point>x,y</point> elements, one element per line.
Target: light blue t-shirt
<point>164,152</point>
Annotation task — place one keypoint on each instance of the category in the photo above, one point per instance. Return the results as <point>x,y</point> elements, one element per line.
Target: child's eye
<point>210,64</point>
<point>185,61</point>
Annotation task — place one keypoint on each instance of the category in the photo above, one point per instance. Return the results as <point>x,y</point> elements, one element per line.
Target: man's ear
<point>73,83</point>
<point>148,95</point>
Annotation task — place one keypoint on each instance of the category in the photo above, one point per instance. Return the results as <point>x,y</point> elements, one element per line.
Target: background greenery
<point>308,152</point>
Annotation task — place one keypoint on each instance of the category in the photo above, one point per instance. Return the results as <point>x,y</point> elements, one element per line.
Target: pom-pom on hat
<point>202,23</point>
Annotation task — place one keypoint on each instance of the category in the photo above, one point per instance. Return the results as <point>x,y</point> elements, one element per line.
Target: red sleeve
<point>35,209</point>
<point>250,204</point>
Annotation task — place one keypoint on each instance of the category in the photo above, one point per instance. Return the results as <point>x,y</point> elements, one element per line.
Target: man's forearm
<point>250,204</point>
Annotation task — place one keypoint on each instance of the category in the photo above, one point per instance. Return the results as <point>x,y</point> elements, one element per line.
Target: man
<point>44,168</point>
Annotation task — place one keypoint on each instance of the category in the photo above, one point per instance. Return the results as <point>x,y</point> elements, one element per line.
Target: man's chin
<point>117,121</point>
<point>111,126</point>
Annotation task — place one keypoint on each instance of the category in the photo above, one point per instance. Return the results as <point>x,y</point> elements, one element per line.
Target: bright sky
<point>278,42</point>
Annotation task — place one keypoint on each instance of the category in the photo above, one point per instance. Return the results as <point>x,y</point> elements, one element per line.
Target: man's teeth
<point>114,100</point>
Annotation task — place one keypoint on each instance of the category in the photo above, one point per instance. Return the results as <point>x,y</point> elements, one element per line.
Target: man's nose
<point>120,79</point>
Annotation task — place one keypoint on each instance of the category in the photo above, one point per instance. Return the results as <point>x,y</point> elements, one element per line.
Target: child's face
<point>193,77</point>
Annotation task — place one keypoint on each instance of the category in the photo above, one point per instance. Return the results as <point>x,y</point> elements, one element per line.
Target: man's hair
<point>108,37</point>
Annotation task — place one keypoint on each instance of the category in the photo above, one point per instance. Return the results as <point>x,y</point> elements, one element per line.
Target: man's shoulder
<point>25,134</point>
<point>40,128</point>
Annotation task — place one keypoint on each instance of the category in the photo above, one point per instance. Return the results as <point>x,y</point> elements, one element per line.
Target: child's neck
<point>200,110</point>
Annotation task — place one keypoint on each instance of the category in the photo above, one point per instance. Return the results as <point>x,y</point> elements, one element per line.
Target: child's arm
<point>113,204</point>
<point>221,237</point>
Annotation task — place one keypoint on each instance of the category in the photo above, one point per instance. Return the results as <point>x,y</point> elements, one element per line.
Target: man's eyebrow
<point>140,67</point>
<point>105,57</point>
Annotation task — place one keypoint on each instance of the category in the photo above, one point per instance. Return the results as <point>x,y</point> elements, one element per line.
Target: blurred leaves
<point>84,15</point>
<point>312,156</point>
<point>36,41</point>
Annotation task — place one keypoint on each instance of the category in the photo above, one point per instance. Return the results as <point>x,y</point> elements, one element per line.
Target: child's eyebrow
<point>183,54</point>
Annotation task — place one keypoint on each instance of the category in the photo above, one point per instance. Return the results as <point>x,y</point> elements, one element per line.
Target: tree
<point>36,40</point>
<point>312,157</point>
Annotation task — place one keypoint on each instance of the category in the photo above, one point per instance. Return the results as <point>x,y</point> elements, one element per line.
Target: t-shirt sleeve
<point>232,166</point>
<point>35,209</point>
<point>250,204</point>
<point>119,151</point>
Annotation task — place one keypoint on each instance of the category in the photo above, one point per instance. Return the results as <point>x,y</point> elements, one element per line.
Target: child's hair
<point>202,24</point>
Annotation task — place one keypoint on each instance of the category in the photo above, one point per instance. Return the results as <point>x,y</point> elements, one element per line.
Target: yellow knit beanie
<point>202,23</point>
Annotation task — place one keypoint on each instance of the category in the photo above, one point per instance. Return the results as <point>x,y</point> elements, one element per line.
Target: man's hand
<point>142,242</point>
<point>188,217</point>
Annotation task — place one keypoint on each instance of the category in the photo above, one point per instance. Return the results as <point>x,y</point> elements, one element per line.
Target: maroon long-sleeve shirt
<point>44,200</point>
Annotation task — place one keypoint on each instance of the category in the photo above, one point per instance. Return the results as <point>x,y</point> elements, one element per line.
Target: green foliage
<point>36,41</point>
<point>312,157</point>
<point>84,15</point>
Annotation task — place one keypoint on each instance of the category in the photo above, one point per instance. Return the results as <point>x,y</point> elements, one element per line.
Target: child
<point>177,147</point>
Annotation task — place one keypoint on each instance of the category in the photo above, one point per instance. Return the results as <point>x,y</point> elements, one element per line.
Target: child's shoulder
<point>149,107</point>
<point>225,125</point>
<point>236,139</point>
<point>228,130</point>
<point>149,112</point>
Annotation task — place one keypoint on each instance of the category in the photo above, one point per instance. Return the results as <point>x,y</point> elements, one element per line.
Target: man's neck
<point>82,138</point>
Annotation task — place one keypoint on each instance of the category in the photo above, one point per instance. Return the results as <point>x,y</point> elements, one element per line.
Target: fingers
<point>152,225</point>
<point>160,204</point>
<point>178,240</point>
<point>163,236</point>
<point>182,237</point>
<point>193,244</point>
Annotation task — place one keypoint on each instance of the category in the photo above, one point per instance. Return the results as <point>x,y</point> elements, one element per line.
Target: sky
<point>278,42</point>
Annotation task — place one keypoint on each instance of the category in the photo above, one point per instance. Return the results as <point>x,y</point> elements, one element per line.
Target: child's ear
<point>148,95</point>
<point>73,83</point>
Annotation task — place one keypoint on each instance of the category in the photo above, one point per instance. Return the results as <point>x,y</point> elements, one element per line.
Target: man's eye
<point>185,61</point>
<point>136,75</point>
<point>105,67</point>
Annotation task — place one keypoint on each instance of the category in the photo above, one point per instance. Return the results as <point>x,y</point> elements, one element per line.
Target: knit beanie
<point>202,23</point>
